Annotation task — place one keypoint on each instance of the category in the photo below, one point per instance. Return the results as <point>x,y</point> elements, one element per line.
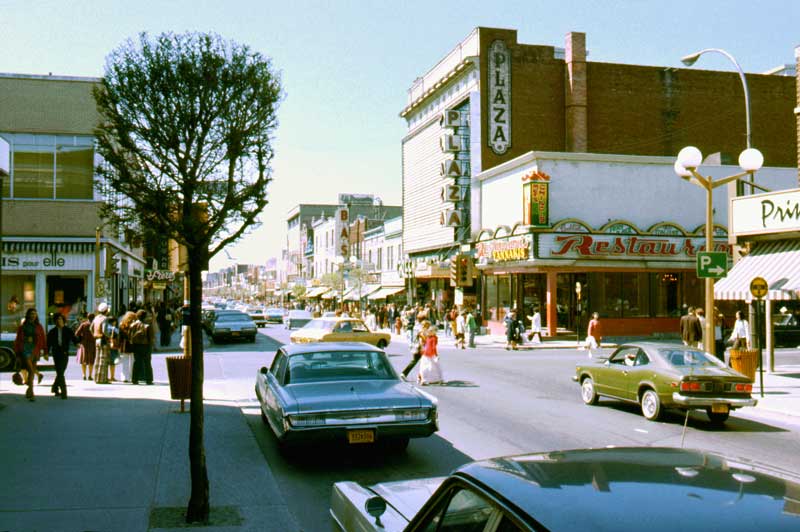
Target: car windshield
<point>233,316</point>
<point>299,314</point>
<point>326,325</point>
<point>339,366</point>
<point>687,357</point>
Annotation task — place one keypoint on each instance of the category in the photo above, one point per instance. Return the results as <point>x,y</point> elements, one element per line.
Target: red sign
<point>629,246</point>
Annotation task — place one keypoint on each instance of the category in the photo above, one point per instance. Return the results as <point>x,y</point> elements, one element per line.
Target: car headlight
<point>416,414</point>
<point>249,329</point>
<point>306,420</point>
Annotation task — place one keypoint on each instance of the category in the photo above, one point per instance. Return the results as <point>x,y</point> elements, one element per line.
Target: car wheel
<point>381,344</point>
<point>588,393</point>
<point>718,418</point>
<point>651,405</point>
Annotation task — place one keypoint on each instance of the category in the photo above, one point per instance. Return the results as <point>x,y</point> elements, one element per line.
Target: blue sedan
<point>341,392</point>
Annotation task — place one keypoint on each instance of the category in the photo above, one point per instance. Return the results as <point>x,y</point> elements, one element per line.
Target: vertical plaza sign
<point>499,130</point>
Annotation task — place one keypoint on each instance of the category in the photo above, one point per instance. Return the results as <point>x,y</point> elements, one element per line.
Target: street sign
<point>758,287</point>
<point>712,264</point>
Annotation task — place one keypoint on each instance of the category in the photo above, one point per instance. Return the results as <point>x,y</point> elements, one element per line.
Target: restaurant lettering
<point>592,246</point>
<point>499,131</point>
<point>504,250</point>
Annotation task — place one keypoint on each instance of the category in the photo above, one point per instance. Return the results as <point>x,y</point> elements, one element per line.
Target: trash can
<point>745,361</point>
<point>179,371</point>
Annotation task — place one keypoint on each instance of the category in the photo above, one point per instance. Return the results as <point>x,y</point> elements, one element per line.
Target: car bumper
<point>339,433</point>
<point>232,336</point>
<point>702,402</point>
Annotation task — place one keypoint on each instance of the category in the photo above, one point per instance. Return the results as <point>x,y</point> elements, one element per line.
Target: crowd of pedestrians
<point>102,342</point>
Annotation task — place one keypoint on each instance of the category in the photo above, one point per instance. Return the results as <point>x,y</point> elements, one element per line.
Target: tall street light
<point>689,158</point>
<point>690,59</point>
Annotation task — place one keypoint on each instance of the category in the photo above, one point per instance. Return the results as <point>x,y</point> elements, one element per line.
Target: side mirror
<point>264,370</point>
<point>607,363</point>
<point>376,507</point>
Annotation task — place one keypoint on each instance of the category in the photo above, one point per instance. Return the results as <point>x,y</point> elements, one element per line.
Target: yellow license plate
<point>360,436</point>
<point>234,333</point>
<point>719,408</point>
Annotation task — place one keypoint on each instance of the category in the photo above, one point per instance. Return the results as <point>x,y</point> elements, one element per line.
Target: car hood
<point>407,496</point>
<point>354,395</point>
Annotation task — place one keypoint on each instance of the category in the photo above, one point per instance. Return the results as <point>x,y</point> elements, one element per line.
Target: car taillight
<point>743,387</point>
<point>690,386</point>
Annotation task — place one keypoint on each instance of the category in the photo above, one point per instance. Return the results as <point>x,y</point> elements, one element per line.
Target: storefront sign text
<point>598,246</point>
<point>48,261</point>
<point>159,275</point>
<point>499,97</point>
<point>517,248</point>
<point>535,203</point>
<point>775,212</point>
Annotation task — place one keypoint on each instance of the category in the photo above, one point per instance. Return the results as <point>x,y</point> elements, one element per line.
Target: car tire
<point>588,393</point>
<point>651,405</point>
<point>717,418</point>
<point>381,344</point>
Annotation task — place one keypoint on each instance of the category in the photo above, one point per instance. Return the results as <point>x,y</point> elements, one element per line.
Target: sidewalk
<point>781,387</point>
<point>114,458</point>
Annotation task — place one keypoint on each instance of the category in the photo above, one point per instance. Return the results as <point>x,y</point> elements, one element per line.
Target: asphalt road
<point>496,402</point>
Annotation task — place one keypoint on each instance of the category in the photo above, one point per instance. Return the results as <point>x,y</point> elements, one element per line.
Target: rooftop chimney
<point>575,93</point>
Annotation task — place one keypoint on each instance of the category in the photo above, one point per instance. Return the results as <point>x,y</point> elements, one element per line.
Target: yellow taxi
<point>339,330</point>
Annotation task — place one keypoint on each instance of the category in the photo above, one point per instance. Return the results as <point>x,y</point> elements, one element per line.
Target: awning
<point>330,294</point>
<point>386,291</point>
<point>354,294</point>
<point>317,291</point>
<point>778,262</point>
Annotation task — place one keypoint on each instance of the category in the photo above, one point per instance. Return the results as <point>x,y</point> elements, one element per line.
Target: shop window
<point>18,294</point>
<point>74,171</point>
<point>32,173</point>
<point>666,294</point>
<point>635,295</point>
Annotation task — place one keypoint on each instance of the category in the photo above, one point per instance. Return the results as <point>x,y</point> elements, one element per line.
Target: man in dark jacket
<point>694,330</point>
<point>58,341</point>
<point>683,322</point>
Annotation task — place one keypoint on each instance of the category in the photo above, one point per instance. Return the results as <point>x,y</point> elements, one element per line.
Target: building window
<point>389,258</point>
<point>379,259</point>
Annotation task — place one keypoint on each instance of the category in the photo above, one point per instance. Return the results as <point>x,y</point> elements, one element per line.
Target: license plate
<point>360,436</point>
<point>719,408</point>
<point>235,333</point>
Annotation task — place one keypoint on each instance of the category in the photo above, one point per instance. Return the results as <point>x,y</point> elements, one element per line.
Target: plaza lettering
<point>776,213</point>
<point>499,131</point>
<point>588,246</point>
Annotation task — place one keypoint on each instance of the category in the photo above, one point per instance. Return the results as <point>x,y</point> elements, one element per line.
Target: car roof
<point>679,489</point>
<point>315,347</point>
<point>298,311</point>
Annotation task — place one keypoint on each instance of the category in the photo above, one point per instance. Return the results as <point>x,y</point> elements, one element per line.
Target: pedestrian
<point>87,352</point>
<point>594,334</point>
<point>101,344</point>
<point>719,337</point>
<point>472,327</point>
<point>461,330</point>
<point>126,348</point>
<point>58,341</point>
<point>430,371</point>
<point>398,325</point>
<point>114,343</point>
<point>694,330</point>
<point>410,317</point>
<point>451,319</point>
<point>536,326</point>
<point>513,328</point>
<point>683,325</point>
<point>165,323</point>
<point>29,344</point>
<point>741,332</point>
<point>416,348</point>
<point>142,336</point>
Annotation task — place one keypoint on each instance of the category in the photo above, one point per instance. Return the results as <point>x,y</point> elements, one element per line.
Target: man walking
<point>472,328</point>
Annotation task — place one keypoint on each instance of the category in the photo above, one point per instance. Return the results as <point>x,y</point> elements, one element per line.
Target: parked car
<point>650,488</point>
<point>341,392</point>
<point>233,325</point>
<point>209,315</point>
<point>787,331</point>
<point>659,375</point>
<point>274,315</point>
<point>297,318</point>
<point>329,314</point>
<point>339,330</point>
<point>258,314</point>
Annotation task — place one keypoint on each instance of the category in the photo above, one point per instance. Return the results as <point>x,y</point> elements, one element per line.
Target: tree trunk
<point>198,509</point>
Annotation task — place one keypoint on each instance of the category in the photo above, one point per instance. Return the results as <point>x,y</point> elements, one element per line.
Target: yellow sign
<point>758,287</point>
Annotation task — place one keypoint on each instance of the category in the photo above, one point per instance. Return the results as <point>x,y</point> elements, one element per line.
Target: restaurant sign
<point>504,249</point>
<point>604,246</point>
<point>761,214</point>
<point>535,199</point>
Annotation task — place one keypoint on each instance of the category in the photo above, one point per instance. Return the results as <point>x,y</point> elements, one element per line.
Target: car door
<point>274,381</point>
<point>343,332</point>
<point>616,374</point>
<point>361,333</point>
<point>642,370</point>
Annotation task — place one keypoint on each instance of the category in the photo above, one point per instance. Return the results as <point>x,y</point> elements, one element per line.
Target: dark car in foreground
<point>607,489</point>
<point>660,375</point>
<point>345,392</point>
<point>233,325</point>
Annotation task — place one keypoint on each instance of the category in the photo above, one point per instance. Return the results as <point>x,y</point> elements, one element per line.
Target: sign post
<point>759,289</point>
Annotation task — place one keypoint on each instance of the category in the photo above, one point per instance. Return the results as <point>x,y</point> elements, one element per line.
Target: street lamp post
<point>689,158</point>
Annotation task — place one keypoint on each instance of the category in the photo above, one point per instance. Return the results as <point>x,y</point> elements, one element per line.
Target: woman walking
<point>113,336</point>
<point>86,346</point>
<point>513,326</point>
<point>29,344</point>
<point>430,372</point>
<point>594,334</point>
<point>126,348</point>
<point>58,341</point>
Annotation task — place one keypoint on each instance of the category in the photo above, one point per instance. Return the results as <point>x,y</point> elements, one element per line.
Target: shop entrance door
<point>571,313</point>
<point>66,295</point>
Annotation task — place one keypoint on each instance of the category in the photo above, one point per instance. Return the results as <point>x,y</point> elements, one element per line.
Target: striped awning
<point>44,247</point>
<point>317,291</point>
<point>778,262</point>
<point>385,291</point>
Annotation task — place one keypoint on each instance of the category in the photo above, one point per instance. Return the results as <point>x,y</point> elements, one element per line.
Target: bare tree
<point>185,134</point>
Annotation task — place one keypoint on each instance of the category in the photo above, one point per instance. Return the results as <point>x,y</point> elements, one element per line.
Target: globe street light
<point>690,59</point>
<point>689,158</point>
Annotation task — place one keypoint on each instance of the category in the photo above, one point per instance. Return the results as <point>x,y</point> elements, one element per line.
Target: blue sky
<point>347,64</point>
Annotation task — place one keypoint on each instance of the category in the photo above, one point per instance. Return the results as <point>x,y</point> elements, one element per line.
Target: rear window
<point>687,357</point>
<point>339,366</point>
<point>233,316</point>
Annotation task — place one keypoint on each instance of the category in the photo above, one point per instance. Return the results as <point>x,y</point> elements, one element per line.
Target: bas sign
<point>758,287</point>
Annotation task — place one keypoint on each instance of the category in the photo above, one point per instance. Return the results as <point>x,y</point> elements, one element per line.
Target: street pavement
<point>115,457</point>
